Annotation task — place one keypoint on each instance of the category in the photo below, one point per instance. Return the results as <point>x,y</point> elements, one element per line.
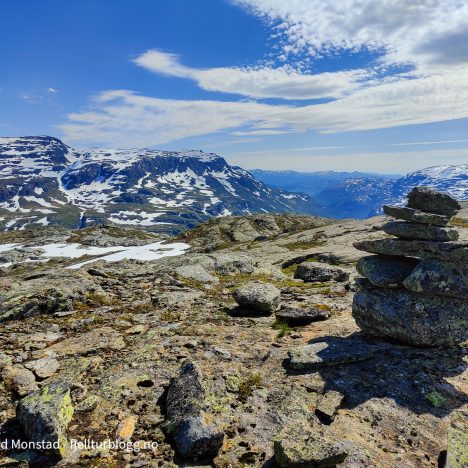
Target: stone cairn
<point>415,289</point>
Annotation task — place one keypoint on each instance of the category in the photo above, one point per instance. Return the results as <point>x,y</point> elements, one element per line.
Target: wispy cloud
<point>258,82</point>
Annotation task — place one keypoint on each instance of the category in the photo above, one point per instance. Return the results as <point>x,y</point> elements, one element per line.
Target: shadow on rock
<point>363,369</point>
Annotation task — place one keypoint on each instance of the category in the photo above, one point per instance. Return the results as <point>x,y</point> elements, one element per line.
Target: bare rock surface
<point>124,337</point>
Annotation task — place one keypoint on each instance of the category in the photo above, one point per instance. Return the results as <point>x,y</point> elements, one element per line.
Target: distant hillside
<point>360,195</point>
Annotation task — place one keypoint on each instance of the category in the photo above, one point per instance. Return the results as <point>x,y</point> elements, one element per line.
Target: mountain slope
<point>45,182</point>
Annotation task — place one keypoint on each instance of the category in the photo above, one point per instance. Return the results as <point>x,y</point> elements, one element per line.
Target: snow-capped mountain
<point>45,182</point>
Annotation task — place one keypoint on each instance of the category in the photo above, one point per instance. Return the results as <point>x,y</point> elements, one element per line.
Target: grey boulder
<point>436,277</point>
<point>384,271</point>
<point>408,230</point>
<point>195,431</point>
<point>264,297</point>
<point>319,272</point>
<point>433,201</point>
<point>415,216</point>
<point>411,317</point>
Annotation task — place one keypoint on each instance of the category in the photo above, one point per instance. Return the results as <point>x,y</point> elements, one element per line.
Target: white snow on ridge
<point>146,252</point>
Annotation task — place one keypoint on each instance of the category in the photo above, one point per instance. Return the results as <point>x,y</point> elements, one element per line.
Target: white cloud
<point>260,82</point>
<point>422,32</point>
<point>125,118</point>
<point>52,90</point>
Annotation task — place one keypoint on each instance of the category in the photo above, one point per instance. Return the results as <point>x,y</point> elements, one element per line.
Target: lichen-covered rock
<point>264,297</point>
<point>436,277</point>
<point>319,272</point>
<point>433,201</point>
<point>411,317</point>
<point>409,230</point>
<point>329,353</point>
<point>195,272</point>
<point>45,414</point>
<point>195,431</point>
<point>384,271</point>
<point>415,216</point>
<point>299,445</point>
<point>329,405</point>
<point>297,316</point>
<point>450,251</point>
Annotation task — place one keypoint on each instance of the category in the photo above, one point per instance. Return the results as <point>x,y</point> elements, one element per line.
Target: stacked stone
<point>415,289</point>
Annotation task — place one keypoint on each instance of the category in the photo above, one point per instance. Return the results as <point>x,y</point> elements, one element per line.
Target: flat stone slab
<point>329,405</point>
<point>297,316</point>
<point>436,277</point>
<point>385,271</point>
<point>433,201</point>
<point>408,230</point>
<point>416,216</point>
<point>329,353</point>
<point>452,251</point>
<point>411,317</point>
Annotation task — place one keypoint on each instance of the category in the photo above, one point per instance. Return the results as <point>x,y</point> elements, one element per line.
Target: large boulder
<point>45,414</point>
<point>320,272</point>
<point>433,201</point>
<point>436,277</point>
<point>411,317</point>
<point>263,297</point>
<point>195,431</point>
<point>408,230</point>
<point>385,271</point>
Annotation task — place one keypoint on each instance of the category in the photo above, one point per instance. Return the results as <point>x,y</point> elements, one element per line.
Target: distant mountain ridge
<point>45,182</point>
<point>361,195</point>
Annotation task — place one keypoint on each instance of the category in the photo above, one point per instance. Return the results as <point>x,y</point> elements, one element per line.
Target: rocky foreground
<point>241,352</point>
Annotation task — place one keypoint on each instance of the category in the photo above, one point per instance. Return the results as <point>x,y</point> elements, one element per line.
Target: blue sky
<point>373,85</point>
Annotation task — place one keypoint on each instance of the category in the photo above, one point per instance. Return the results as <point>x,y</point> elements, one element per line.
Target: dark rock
<point>411,317</point>
<point>196,433</point>
<point>432,201</point>
<point>300,445</point>
<point>263,297</point>
<point>436,277</point>
<point>297,316</point>
<point>386,271</point>
<point>408,230</point>
<point>329,353</point>
<point>450,251</point>
<point>416,216</point>
<point>45,414</point>
<point>319,272</point>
